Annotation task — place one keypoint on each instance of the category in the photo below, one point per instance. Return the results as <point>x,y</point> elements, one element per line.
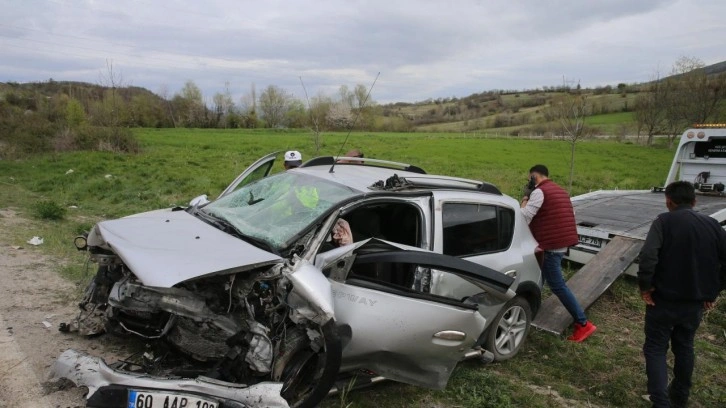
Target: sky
<point>422,49</point>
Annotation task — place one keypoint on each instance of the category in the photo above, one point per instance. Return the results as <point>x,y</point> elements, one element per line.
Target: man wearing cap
<point>293,159</point>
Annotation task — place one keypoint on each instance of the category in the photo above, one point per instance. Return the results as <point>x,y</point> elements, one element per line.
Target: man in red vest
<point>548,210</point>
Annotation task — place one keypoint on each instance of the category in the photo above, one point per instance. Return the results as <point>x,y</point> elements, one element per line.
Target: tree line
<point>53,115</point>
<point>689,95</point>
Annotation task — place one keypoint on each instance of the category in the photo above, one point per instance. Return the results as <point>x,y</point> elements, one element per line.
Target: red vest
<point>554,224</point>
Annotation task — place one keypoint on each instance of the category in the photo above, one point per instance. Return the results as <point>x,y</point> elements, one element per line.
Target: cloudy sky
<point>422,49</point>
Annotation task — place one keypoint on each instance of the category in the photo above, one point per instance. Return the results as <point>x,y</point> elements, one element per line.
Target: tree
<point>689,95</point>
<point>649,109</point>
<point>189,105</point>
<point>695,97</point>
<point>75,115</point>
<point>340,116</point>
<point>570,111</point>
<point>347,97</point>
<point>274,103</point>
<point>223,106</point>
<point>113,80</point>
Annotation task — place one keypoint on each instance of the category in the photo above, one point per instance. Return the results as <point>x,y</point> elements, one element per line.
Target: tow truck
<point>604,214</point>
<point>612,224</point>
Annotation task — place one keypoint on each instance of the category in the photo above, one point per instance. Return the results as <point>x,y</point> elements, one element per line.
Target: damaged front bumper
<point>109,388</point>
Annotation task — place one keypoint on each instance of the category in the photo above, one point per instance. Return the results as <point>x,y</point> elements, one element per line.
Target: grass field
<point>176,165</point>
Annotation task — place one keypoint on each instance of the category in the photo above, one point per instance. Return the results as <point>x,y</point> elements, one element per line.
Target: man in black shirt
<point>680,273</point>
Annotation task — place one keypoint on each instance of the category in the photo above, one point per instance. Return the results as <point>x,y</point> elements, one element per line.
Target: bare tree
<point>695,96</point>
<point>347,97</point>
<point>190,105</point>
<point>274,103</point>
<point>689,95</point>
<point>112,80</point>
<point>649,109</point>
<point>360,92</point>
<point>314,119</point>
<point>223,106</point>
<point>570,111</point>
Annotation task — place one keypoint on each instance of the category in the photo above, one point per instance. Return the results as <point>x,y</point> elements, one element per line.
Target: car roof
<point>354,176</point>
<point>361,176</point>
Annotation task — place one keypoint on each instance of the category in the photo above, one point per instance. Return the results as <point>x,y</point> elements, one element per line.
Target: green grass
<point>610,119</point>
<point>177,165</point>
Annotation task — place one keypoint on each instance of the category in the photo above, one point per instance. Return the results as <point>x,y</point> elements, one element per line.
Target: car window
<point>472,229</point>
<point>276,208</point>
<point>256,175</point>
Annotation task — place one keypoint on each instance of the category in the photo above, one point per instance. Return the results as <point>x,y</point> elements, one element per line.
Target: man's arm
<point>531,206</point>
<point>648,259</point>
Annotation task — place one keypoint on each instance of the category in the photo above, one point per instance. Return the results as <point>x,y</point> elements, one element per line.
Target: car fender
<point>311,296</point>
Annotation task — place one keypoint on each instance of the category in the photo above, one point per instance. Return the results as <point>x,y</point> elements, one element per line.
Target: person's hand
<point>524,202</point>
<point>709,305</point>
<point>341,233</point>
<point>648,297</point>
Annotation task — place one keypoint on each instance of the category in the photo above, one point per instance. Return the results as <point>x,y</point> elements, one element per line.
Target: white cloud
<point>423,48</point>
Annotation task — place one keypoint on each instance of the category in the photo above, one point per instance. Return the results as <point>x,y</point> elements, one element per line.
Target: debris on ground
<point>35,241</point>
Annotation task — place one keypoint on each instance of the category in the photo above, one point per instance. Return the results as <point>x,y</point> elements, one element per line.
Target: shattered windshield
<point>276,208</point>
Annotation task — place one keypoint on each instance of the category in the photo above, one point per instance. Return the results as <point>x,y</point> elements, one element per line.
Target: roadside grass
<point>177,165</point>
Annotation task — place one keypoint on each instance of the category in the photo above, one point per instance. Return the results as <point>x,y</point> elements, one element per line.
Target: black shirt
<point>683,257</point>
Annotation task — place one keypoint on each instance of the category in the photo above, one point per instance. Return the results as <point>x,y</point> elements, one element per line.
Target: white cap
<point>293,157</point>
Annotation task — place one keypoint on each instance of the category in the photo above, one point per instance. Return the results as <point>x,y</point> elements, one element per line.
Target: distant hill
<point>79,90</point>
<point>515,112</point>
<point>523,112</point>
<point>717,68</point>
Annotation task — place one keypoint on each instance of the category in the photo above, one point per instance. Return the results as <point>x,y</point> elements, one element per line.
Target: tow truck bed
<point>602,215</point>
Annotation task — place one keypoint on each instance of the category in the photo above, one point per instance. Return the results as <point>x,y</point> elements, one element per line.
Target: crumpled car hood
<point>164,247</point>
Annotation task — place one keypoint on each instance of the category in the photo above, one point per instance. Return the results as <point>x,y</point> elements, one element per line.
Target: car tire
<point>509,330</point>
<point>307,376</point>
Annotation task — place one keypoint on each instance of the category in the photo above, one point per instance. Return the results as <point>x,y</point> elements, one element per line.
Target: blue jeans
<point>675,323</point>
<point>552,273</point>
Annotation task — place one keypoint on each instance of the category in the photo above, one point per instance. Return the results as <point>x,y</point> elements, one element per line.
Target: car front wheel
<point>509,329</point>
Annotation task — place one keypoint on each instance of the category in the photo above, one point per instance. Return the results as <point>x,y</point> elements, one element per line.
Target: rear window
<point>473,229</point>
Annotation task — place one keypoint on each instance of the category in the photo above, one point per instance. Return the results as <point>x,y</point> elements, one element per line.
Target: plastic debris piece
<point>16,247</point>
<point>69,171</point>
<point>108,176</point>
<point>35,241</point>
<point>73,206</point>
<point>47,324</point>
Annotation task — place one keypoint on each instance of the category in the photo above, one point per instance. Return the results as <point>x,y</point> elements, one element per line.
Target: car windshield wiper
<point>226,226</point>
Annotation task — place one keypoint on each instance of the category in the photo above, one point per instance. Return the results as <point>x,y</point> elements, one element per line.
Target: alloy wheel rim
<point>510,330</point>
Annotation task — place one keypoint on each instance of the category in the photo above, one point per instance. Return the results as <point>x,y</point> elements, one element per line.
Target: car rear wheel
<point>509,329</point>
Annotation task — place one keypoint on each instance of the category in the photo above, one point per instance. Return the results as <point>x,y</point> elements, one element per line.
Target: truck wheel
<point>509,330</point>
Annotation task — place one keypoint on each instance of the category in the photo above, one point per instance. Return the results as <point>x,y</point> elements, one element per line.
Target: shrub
<point>48,210</point>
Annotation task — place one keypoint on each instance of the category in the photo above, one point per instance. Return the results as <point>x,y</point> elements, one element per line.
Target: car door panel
<point>394,335</point>
<point>398,332</point>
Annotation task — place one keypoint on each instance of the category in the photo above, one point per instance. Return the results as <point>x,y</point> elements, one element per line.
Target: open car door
<point>397,329</point>
<point>258,170</point>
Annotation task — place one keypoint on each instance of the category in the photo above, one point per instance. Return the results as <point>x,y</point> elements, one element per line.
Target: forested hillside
<point>55,115</point>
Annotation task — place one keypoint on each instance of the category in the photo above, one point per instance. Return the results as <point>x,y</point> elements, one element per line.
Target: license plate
<point>590,241</point>
<point>157,399</point>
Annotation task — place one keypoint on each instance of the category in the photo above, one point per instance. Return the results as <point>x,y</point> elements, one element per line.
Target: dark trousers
<point>675,323</point>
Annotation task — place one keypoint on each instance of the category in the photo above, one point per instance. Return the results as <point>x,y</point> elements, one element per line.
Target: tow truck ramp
<point>590,282</point>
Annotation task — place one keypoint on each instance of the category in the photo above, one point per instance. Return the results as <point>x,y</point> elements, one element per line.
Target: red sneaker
<point>582,331</point>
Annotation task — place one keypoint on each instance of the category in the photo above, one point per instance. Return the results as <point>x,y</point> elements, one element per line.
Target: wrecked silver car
<point>248,300</point>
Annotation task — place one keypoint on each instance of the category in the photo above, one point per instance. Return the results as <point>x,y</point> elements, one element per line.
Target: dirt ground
<point>34,300</point>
